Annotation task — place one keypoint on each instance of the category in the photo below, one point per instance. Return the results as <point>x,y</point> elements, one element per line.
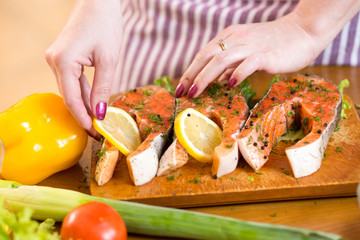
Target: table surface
<point>337,215</point>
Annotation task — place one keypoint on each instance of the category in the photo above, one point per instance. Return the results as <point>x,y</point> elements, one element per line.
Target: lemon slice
<point>120,129</point>
<point>197,134</point>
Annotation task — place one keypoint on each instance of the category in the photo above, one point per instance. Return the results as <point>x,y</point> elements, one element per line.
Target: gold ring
<point>222,44</point>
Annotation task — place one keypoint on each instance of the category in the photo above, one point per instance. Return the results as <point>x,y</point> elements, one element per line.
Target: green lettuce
<point>345,104</point>
<point>20,226</point>
<point>165,82</point>
<point>247,91</point>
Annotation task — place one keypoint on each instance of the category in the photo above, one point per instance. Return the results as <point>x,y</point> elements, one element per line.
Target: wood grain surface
<point>192,185</point>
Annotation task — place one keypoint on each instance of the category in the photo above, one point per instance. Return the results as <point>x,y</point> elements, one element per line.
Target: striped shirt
<point>161,37</point>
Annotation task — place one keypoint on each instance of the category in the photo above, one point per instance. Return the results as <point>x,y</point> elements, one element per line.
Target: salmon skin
<point>153,108</point>
<point>225,106</point>
<point>307,102</point>
<point>105,166</point>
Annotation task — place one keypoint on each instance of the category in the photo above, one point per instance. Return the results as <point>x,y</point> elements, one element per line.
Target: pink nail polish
<point>192,91</point>
<point>101,110</point>
<point>232,82</point>
<point>179,90</point>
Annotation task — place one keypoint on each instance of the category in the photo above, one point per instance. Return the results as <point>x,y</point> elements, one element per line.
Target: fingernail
<point>192,91</point>
<point>101,110</point>
<point>179,90</point>
<point>232,82</point>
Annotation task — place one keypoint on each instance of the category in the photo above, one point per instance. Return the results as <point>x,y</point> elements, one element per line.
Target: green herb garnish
<point>250,178</point>
<point>165,82</point>
<point>338,149</point>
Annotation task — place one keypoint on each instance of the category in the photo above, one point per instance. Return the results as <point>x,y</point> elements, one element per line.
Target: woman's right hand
<point>91,38</point>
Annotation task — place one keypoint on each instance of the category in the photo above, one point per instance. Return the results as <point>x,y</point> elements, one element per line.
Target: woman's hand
<point>90,38</point>
<point>275,47</point>
<point>284,45</point>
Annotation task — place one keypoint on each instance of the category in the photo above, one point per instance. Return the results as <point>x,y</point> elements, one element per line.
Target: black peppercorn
<point>230,102</point>
<point>135,89</point>
<point>225,93</point>
<point>273,98</point>
<point>231,98</point>
<point>307,74</point>
<point>266,135</point>
<point>265,157</point>
<point>295,80</point>
<point>293,91</point>
<point>255,144</point>
<point>317,88</point>
<point>188,115</point>
<point>319,131</point>
<point>325,124</point>
<point>246,127</point>
<point>229,107</point>
<point>251,123</point>
<point>228,89</point>
<point>262,147</point>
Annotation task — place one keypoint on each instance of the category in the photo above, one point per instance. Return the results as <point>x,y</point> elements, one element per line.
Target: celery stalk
<point>48,202</point>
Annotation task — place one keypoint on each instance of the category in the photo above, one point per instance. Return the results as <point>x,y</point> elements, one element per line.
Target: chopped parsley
<point>317,118</point>
<point>156,118</point>
<point>250,178</point>
<point>214,90</point>
<point>195,180</point>
<point>170,178</point>
<point>290,113</point>
<point>338,149</point>
<point>101,152</point>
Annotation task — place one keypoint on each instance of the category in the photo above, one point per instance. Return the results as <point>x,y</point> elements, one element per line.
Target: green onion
<point>55,203</point>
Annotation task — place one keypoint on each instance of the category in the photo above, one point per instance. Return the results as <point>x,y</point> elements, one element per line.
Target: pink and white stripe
<point>161,37</point>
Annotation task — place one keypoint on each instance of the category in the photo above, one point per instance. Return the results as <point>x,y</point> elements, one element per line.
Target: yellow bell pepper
<point>39,137</point>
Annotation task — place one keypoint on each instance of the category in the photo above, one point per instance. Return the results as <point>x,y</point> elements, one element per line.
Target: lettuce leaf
<point>247,91</point>
<point>20,226</point>
<point>345,104</point>
<point>165,82</point>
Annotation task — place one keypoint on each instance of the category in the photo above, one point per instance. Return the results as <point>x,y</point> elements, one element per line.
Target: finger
<point>251,64</point>
<point>221,61</point>
<point>225,76</point>
<point>105,68</point>
<point>202,58</point>
<point>49,60</point>
<point>85,95</point>
<point>69,82</point>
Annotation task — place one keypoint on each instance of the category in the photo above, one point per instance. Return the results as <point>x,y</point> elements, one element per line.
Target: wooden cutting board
<point>192,185</point>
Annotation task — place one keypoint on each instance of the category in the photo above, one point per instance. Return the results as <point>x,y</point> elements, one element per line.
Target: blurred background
<point>27,28</point>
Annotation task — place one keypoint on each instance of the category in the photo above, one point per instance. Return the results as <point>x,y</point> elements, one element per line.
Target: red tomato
<point>93,221</point>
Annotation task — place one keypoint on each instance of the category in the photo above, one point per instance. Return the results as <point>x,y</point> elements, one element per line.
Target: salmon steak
<point>225,106</point>
<point>105,166</point>
<point>309,103</point>
<point>153,109</point>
